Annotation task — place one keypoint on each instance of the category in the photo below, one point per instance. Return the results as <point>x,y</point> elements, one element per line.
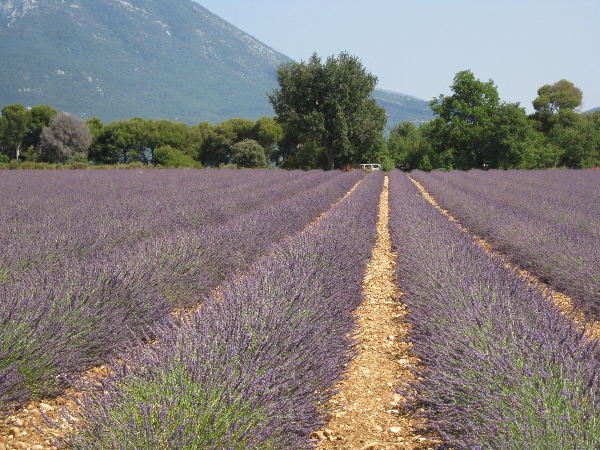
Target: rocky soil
<point>368,415</point>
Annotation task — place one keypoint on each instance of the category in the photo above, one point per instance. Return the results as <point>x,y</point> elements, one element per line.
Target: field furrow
<point>253,367</point>
<point>367,413</point>
<point>547,222</point>
<point>293,310</point>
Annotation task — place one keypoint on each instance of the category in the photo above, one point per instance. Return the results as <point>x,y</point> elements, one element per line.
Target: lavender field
<point>254,367</point>
<point>227,312</point>
<point>91,259</point>
<point>501,368</point>
<point>546,221</point>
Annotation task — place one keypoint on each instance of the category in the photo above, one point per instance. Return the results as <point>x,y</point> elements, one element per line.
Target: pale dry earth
<point>367,413</point>
<point>21,430</point>
<point>563,302</point>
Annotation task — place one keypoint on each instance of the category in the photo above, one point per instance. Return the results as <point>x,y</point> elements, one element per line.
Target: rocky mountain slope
<point>118,59</point>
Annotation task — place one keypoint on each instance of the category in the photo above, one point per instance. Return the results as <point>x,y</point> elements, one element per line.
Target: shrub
<point>170,157</point>
<point>14,164</point>
<point>249,154</point>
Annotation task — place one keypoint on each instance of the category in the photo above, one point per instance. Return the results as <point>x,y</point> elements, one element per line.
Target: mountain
<point>115,60</point>
<point>402,107</point>
<point>593,110</point>
<point>118,59</point>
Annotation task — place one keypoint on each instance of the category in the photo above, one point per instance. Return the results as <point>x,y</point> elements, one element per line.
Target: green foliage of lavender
<point>500,368</point>
<point>546,221</point>
<point>52,329</point>
<point>115,252</point>
<point>255,365</point>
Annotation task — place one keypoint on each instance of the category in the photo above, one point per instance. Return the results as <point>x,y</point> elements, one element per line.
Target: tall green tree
<point>462,117</point>
<point>408,147</point>
<point>400,141</point>
<point>328,106</point>
<point>41,117</point>
<point>14,124</point>
<point>556,105</point>
<point>579,144</point>
<point>508,136</point>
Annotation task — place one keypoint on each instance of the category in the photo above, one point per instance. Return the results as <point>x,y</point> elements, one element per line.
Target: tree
<point>556,104</point>
<point>579,145</point>
<point>509,136</point>
<point>218,146</point>
<point>294,153</point>
<point>196,137</point>
<point>268,134</point>
<point>249,154</point>
<point>168,156</point>
<point>137,139</point>
<point>95,125</point>
<point>561,95</point>
<point>462,118</point>
<point>400,141</point>
<point>14,124</point>
<point>41,117</point>
<point>122,141</point>
<point>65,135</point>
<point>328,106</point>
<point>166,132</point>
<point>216,149</point>
<point>368,142</point>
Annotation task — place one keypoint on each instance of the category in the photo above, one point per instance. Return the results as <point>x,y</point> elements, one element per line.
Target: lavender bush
<point>101,268</point>
<point>253,367</point>
<point>500,367</point>
<point>546,221</point>
<point>52,332</point>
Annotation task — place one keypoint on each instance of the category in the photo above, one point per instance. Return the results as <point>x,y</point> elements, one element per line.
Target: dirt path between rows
<point>563,302</point>
<point>368,416</point>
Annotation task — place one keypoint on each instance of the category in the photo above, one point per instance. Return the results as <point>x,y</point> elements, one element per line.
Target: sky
<point>417,47</point>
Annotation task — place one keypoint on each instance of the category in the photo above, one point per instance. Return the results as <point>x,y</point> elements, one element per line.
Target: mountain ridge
<point>117,59</point>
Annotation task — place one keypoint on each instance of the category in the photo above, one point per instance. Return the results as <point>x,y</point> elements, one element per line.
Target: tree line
<point>473,128</point>
<point>44,135</point>
<point>325,117</point>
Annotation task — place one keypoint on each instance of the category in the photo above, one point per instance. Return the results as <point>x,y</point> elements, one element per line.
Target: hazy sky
<point>417,47</point>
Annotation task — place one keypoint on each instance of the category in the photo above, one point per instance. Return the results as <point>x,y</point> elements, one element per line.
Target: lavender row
<point>500,367</point>
<point>571,197</point>
<point>254,367</point>
<point>51,216</point>
<point>547,222</point>
<point>61,318</point>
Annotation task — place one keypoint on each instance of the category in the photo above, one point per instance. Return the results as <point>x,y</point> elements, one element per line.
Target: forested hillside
<point>116,60</point>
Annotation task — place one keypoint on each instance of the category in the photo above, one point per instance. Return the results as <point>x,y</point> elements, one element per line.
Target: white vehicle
<point>370,166</point>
